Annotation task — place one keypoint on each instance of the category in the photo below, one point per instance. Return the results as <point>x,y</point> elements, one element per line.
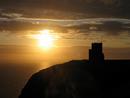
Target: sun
<point>45,39</point>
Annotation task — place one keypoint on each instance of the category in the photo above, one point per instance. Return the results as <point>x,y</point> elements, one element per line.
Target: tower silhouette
<point>96,55</point>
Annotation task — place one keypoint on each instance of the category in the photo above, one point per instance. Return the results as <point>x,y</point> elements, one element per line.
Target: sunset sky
<point>36,34</point>
<point>70,24</point>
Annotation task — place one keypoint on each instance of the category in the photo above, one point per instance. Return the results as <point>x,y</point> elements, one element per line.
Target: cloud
<point>75,8</point>
<point>104,26</point>
<point>11,15</point>
<point>112,26</point>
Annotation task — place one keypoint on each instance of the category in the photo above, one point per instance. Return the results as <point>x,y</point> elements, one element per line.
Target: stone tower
<point>96,55</point>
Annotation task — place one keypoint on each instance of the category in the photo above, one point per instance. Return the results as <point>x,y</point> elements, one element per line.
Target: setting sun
<point>45,39</point>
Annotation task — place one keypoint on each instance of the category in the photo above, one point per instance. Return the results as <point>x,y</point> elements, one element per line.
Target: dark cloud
<point>85,8</point>
<point>109,26</point>
<point>17,26</point>
<point>114,27</point>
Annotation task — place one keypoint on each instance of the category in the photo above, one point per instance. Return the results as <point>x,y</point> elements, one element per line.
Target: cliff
<point>80,79</point>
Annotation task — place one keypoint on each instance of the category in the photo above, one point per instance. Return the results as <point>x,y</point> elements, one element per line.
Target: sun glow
<point>45,39</point>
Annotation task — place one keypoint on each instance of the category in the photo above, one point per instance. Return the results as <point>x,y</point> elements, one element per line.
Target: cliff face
<point>80,79</point>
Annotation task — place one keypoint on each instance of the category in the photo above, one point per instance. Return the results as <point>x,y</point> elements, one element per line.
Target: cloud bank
<point>17,23</point>
<point>67,8</point>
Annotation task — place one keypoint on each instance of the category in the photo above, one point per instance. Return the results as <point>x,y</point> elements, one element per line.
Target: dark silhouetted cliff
<point>78,79</point>
<point>81,79</point>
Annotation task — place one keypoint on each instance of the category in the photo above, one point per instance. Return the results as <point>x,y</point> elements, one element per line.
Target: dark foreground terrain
<point>80,79</point>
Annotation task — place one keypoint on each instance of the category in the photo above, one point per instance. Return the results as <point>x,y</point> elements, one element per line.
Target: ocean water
<point>13,76</point>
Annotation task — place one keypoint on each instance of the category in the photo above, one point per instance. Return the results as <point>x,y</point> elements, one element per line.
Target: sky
<point>74,22</point>
<point>74,25</point>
